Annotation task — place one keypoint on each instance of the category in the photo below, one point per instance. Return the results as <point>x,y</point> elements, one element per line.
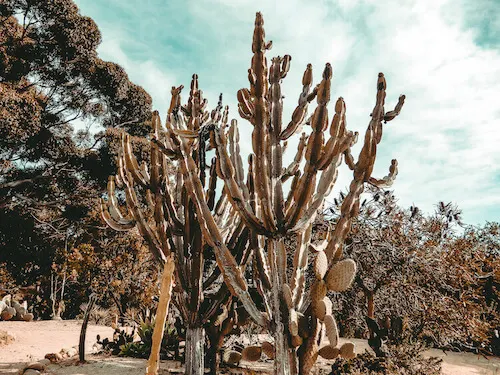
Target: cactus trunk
<point>195,351</point>
<point>285,361</point>
<point>212,358</point>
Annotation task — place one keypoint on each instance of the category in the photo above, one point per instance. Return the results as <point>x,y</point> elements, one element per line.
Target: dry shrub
<point>402,360</point>
<point>6,338</point>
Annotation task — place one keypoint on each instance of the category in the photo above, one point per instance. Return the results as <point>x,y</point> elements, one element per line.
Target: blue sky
<point>444,55</point>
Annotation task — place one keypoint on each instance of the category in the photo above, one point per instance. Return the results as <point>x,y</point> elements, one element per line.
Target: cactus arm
<point>293,188</point>
<point>394,113</point>
<point>313,151</point>
<point>279,69</point>
<point>259,119</point>
<point>143,226</point>
<point>362,173</point>
<point>325,186</point>
<point>292,169</point>
<point>113,205</point>
<point>161,317</point>
<point>131,162</point>
<point>169,208</point>
<point>155,157</point>
<point>297,284</point>
<point>337,135</point>
<point>235,157</point>
<point>300,111</point>
<point>196,271</point>
<point>121,225</point>
<point>388,180</point>
<point>229,268</point>
<point>261,262</point>
<point>235,195</point>
<point>212,185</point>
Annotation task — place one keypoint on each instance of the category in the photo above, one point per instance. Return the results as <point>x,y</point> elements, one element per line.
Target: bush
<point>402,360</point>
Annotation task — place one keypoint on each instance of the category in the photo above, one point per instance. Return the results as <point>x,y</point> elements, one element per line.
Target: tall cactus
<point>160,204</point>
<point>252,217</point>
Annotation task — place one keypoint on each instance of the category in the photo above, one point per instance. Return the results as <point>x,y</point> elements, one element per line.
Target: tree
<point>50,173</point>
<point>419,268</point>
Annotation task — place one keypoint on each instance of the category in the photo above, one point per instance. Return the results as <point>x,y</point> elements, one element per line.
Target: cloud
<point>445,140</point>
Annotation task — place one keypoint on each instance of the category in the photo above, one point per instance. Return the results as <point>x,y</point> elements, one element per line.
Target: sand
<point>35,339</point>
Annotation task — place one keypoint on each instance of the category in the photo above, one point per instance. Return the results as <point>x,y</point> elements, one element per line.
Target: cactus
<point>159,203</point>
<point>253,216</point>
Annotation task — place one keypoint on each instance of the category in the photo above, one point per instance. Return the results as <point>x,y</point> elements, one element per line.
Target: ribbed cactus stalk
<point>253,216</point>
<point>296,316</point>
<point>160,202</point>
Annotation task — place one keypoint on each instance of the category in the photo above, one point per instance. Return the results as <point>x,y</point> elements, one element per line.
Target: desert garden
<point>168,242</point>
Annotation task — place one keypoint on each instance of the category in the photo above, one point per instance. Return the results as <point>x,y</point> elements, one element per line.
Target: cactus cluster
<point>245,225</point>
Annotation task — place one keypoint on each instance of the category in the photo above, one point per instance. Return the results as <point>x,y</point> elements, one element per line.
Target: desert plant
<point>167,220</point>
<point>400,359</point>
<point>254,217</point>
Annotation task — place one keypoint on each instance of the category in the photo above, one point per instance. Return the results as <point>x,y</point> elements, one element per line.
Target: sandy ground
<point>35,339</point>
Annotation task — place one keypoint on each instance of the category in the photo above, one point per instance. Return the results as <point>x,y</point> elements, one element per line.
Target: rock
<point>35,366</point>
<point>71,352</point>
<point>28,317</point>
<point>8,313</point>
<point>31,372</point>
<point>44,362</point>
<point>53,357</point>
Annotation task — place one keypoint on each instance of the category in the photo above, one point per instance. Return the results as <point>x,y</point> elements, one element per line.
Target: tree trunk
<point>195,351</point>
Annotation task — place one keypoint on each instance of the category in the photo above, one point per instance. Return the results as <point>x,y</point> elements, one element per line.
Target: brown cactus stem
<point>234,191</point>
<point>279,69</point>
<point>225,260</point>
<point>196,271</point>
<point>314,150</point>
<point>284,361</point>
<point>308,351</point>
<point>260,118</point>
<point>362,173</point>
<point>195,351</point>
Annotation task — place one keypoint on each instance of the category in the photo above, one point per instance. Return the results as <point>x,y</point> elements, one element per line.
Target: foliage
<point>440,281</point>
<point>402,360</point>
<point>123,343</point>
<point>50,173</point>
<point>119,339</point>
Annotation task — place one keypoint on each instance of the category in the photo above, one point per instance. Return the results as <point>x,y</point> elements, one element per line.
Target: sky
<point>443,55</point>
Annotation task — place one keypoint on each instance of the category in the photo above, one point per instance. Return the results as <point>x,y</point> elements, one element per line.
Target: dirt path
<point>35,339</point>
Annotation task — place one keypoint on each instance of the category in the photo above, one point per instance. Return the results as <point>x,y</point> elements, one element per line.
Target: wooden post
<point>161,316</point>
